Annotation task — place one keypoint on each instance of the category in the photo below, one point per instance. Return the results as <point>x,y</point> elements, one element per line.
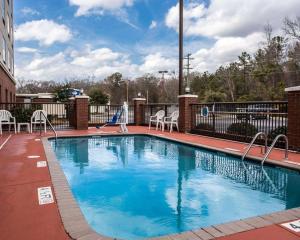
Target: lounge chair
<point>113,121</point>
<point>171,120</point>
<point>38,117</point>
<point>158,118</point>
<point>7,119</point>
<point>119,118</point>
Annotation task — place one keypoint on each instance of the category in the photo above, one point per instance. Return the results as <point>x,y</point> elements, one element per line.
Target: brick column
<point>81,112</point>
<point>185,111</point>
<point>294,117</point>
<point>139,110</point>
<point>71,112</point>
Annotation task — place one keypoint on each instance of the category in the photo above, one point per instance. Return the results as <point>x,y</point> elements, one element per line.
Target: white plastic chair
<point>169,121</point>
<point>38,117</point>
<point>157,119</point>
<point>7,119</point>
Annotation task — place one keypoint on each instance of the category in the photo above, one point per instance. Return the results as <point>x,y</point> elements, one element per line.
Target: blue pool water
<point>133,187</point>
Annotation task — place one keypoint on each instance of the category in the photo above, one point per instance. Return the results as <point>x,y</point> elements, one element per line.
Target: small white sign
<point>41,164</point>
<point>45,195</point>
<point>33,156</point>
<point>37,140</point>
<point>294,226</point>
<point>295,163</point>
<point>232,149</point>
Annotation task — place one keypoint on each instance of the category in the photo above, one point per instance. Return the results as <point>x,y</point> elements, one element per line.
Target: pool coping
<point>77,226</point>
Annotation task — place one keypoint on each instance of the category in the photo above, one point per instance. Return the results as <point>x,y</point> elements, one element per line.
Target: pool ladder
<point>273,145</point>
<point>52,128</point>
<point>253,141</point>
<point>267,151</point>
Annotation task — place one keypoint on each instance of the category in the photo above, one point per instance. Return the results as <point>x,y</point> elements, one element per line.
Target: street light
<point>163,74</point>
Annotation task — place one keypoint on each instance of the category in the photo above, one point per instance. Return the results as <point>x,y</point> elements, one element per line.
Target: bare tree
<point>292,27</point>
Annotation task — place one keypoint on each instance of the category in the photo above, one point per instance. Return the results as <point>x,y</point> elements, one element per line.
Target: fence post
<point>185,114</point>
<point>138,104</point>
<point>81,112</point>
<point>293,117</point>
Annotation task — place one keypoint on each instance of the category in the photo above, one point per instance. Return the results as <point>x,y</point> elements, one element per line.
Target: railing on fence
<point>239,121</point>
<point>59,114</point>
<point>152,108</point>
<point>100,114</point>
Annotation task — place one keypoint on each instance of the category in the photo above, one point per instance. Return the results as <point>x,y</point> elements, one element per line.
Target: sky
<point>67,39</point>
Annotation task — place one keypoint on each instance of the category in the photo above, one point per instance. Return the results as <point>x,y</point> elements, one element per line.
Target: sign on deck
<point>294,226</point>
<point>41,164</point>
<point>45,195</point>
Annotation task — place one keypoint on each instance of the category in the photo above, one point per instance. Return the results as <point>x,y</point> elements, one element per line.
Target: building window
<point>4,49</point>
<point>8,60</point>
<point>11,97</point>
<point>3,9</point>
<point>0,93</point>
<point>6,95</point>
<point>8,24</point>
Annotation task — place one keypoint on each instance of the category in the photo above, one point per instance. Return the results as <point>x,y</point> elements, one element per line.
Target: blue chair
<point>116,117</point>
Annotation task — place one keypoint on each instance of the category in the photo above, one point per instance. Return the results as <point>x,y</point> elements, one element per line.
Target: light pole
<point>180,47</point>
<point>163,74</point>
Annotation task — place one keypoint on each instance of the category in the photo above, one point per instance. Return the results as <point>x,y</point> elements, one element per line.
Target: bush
<point>244,129</point>
<point>280,130</point>
<point>23,114</point>
<point>205,126</point>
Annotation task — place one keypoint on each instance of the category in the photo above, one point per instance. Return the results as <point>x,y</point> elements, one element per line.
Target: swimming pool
<point>134,187</point>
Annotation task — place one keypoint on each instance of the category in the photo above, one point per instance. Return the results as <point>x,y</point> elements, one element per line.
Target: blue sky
<point>61,39</point>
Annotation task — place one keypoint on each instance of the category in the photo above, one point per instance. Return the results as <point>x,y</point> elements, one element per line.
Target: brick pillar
<point>185,120</point>
<point>139,113</point>
<point>71,112</point>
<point>81,112</point>
<point>294,117</point>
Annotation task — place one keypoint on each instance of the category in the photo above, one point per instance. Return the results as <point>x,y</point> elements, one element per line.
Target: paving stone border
<point>77,227</point>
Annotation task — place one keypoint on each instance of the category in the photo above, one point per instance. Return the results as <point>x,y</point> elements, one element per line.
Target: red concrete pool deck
<point>23,218</point>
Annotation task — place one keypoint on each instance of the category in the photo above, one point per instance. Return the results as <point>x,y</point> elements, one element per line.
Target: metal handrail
<point>252,142</point>
<point>41,113</point>
<point>273,145</point>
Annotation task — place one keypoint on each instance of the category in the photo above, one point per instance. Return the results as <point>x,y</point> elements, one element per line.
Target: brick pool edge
<point>77,227</point>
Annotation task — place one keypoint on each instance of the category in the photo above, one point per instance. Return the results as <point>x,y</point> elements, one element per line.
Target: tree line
<point>258,77</point>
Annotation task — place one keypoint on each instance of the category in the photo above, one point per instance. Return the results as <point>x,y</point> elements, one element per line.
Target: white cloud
<point>153,25</point>
<point>29,11</point>
<point>86,7</point>
<point>232,17</point>
<point>26,50</point>
<point>231,26</point>
<point>94,58</point>
<point>224,51</point>
<point>46,32</point>
<point>100,63</point>
<point>156,62</point>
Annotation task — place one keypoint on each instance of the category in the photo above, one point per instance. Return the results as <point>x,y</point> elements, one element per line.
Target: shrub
<point>244,129</point>
<point>205,126</point>
<point>22,114</point>
<point>280,130</point>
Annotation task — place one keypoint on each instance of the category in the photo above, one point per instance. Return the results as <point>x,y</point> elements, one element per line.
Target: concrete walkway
<point>23,218</point>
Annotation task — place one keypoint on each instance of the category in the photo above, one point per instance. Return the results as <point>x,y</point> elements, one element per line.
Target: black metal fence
<point>240,121</point>
<point>101,114</point>
<point>152,108</point>
<point>59,114</point>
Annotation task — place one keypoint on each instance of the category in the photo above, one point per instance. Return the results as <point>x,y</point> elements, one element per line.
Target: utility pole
<point>188,68</point>
<point>180,47</point>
